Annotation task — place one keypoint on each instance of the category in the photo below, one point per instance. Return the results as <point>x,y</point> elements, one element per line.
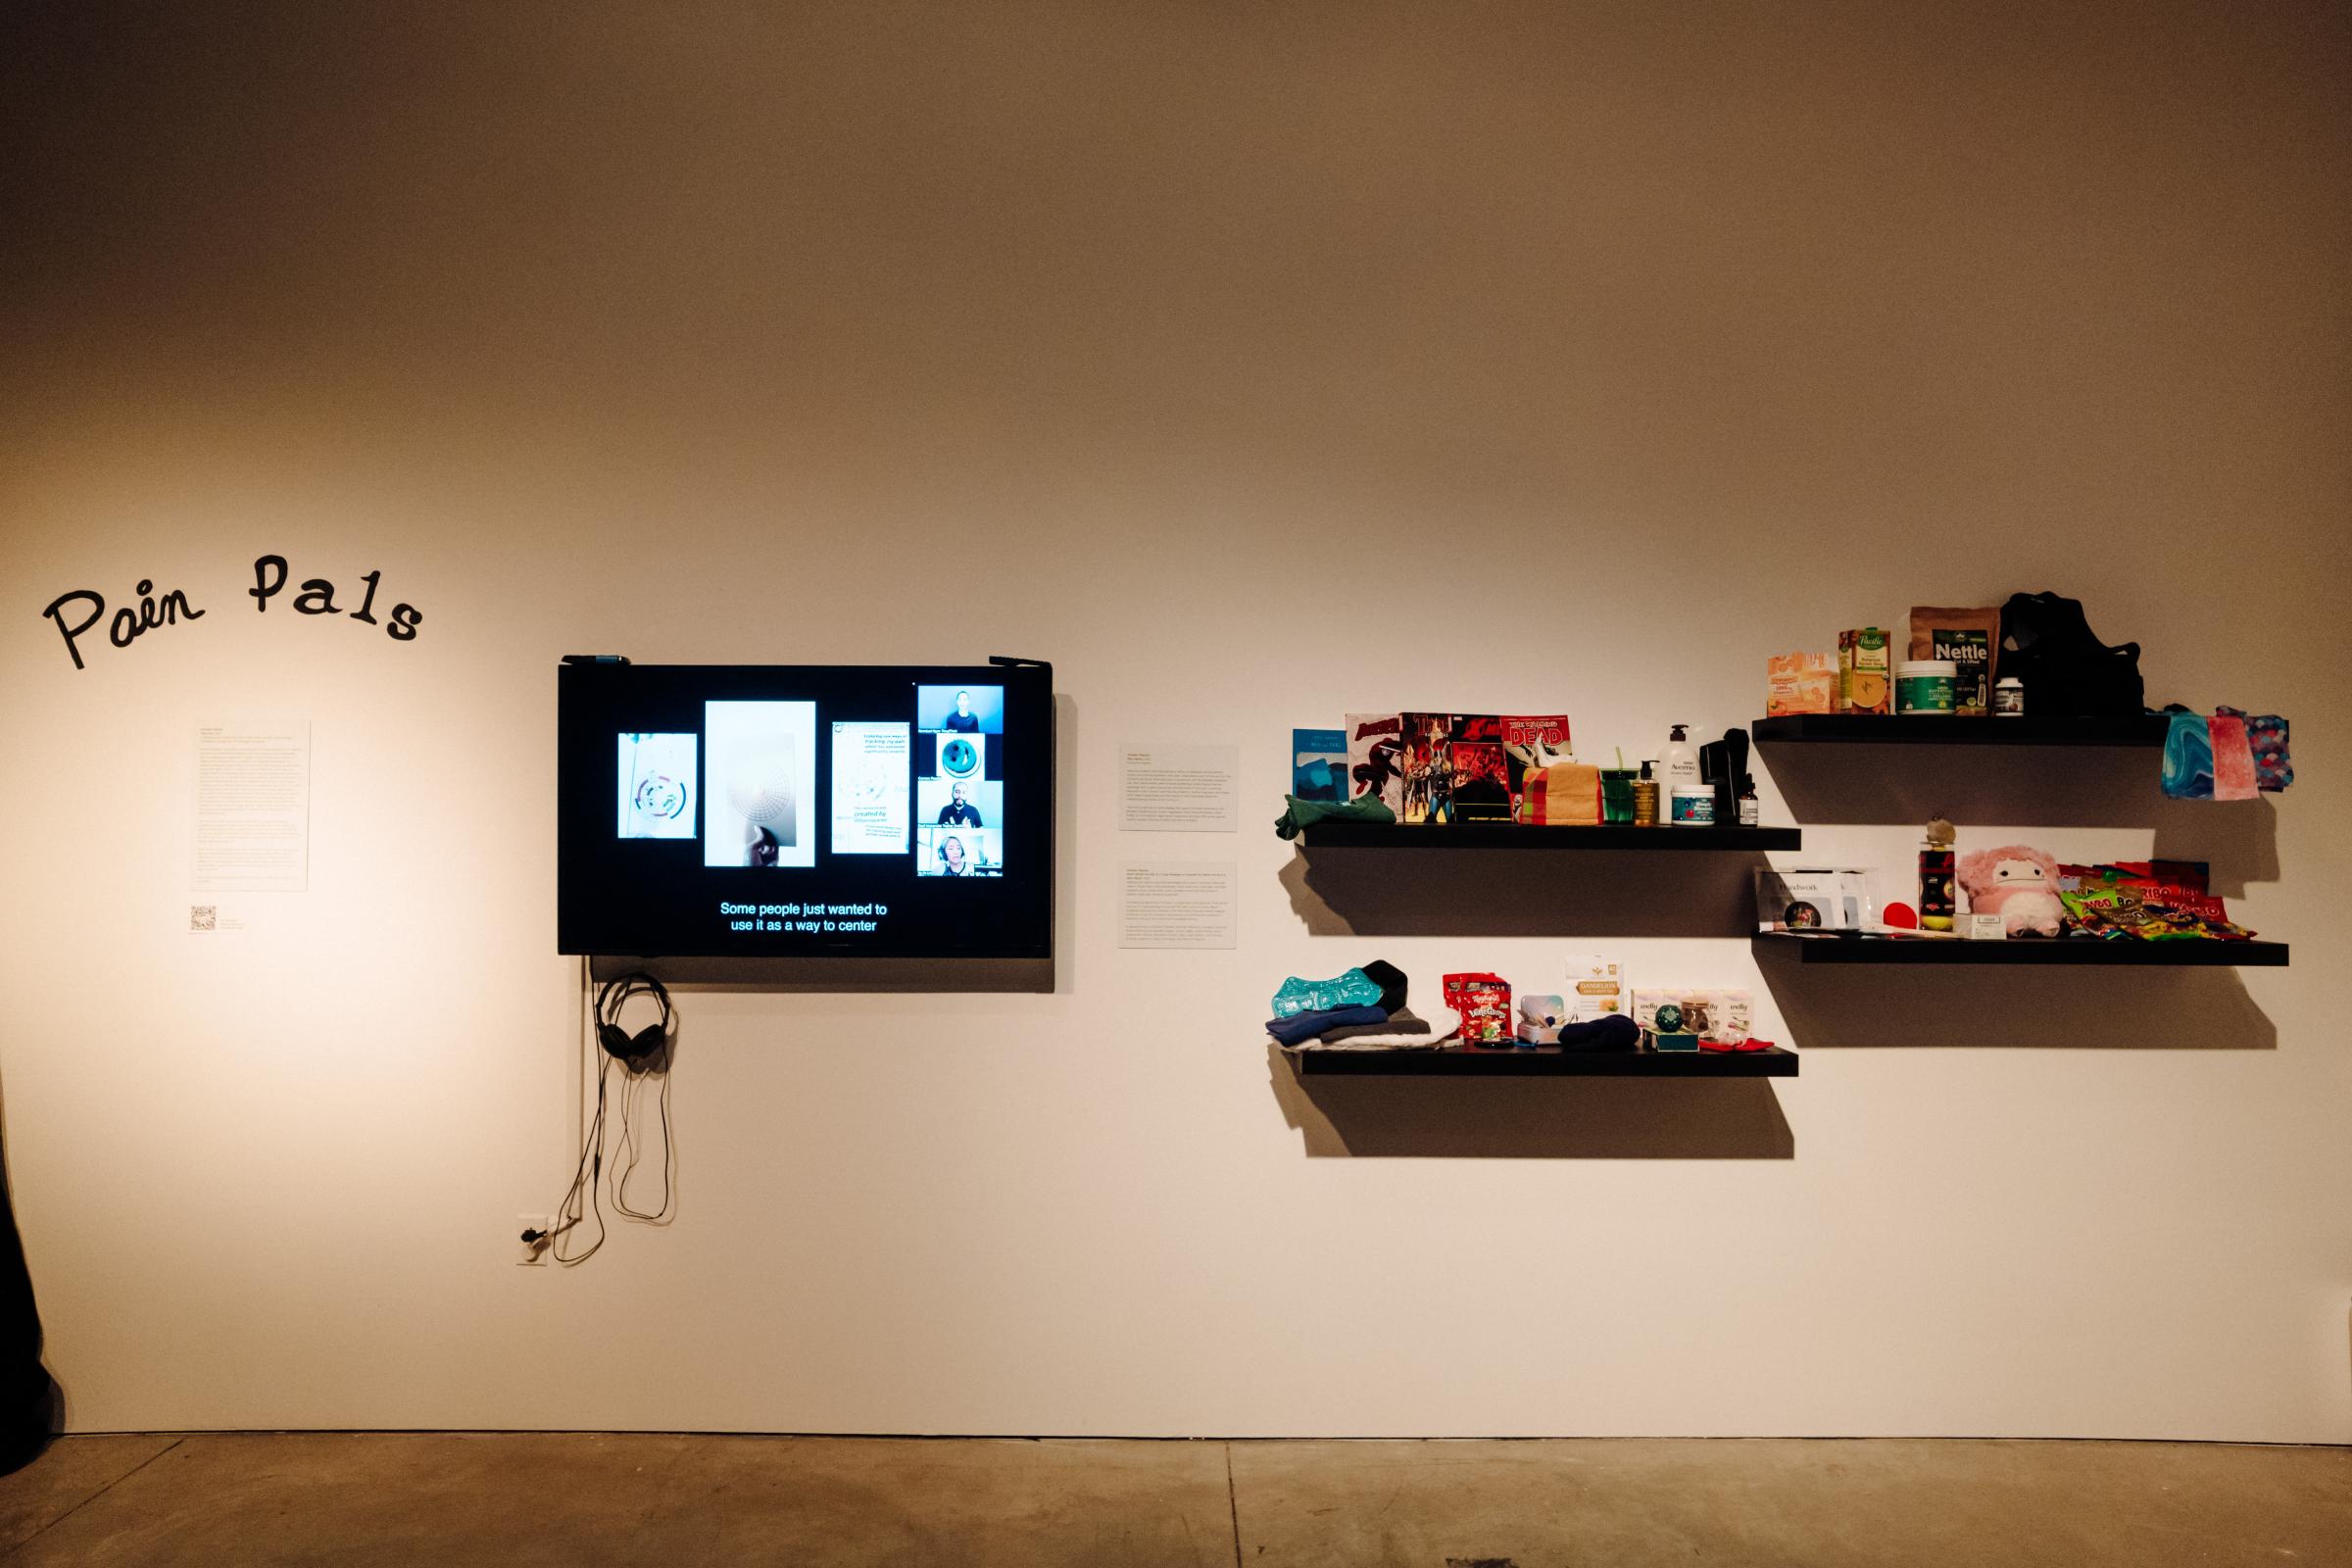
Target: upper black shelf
<point>2022,949</point>
<point>1948,729</point>
<point>1547,1061</point>
<point>1514,836</point>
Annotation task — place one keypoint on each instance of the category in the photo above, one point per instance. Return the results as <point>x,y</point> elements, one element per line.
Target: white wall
<point>1254,364</point>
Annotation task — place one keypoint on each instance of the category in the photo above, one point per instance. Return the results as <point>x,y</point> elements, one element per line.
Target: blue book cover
<point>1319,765</point>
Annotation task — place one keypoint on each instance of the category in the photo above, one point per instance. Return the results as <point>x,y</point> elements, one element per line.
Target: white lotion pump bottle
<point>1680,763</point>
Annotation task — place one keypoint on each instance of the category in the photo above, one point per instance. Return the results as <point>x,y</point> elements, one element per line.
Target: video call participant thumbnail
<point>960,709</point>
<point>960,810</point>
<point>959,852</point>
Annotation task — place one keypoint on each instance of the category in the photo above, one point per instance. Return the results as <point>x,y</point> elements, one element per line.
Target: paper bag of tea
<point>1971,639</point>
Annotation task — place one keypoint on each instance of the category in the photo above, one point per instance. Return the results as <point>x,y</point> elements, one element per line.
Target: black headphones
<point>632,1050</point>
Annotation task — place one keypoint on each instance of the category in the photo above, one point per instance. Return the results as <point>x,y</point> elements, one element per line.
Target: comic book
<point>1479,781</point>
<point>1376,758</point>
<point>1319,765</point>
<point>1532,743</point>
<point>1428,768</point>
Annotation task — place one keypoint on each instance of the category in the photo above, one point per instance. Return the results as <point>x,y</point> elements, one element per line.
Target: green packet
<point>2104,911</point>
<point>2108,910</point>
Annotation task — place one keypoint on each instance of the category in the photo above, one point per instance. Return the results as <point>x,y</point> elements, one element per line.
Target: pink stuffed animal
<point>2016,883</point>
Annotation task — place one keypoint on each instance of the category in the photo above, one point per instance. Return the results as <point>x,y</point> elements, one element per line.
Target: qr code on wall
<point>203,916</point>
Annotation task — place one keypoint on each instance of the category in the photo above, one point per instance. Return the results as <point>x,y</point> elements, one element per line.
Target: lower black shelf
<point>2021,950</point>
<point>1517,836</point>
<point>1547,1061</point>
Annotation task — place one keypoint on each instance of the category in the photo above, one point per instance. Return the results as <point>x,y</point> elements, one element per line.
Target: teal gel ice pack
<point>1354,989</point>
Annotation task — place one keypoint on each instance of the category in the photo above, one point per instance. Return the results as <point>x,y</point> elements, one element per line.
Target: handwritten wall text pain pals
<point>130,623</point>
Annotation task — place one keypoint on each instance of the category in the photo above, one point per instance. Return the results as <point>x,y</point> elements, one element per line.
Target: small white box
<point>1986,928</point>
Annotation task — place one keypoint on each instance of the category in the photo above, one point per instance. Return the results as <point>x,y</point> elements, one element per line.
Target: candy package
<point>2157,901</point>
<point>1483,1003</point>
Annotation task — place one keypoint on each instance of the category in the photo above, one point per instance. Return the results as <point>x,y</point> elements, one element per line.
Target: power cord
<point>631,1148</point>
<point>582,1200</point>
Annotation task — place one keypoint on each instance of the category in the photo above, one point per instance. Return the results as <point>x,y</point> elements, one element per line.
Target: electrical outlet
<point>531,1254</point>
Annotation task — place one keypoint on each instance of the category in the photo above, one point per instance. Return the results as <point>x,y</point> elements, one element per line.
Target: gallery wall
<point>1256,365</point>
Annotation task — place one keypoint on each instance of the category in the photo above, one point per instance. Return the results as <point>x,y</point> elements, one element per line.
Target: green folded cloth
<point>1306,813</point>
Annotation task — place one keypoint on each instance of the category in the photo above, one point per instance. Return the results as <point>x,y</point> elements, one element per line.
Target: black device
<point>1724,764</point>
<point>825,813</point>
<point>2047,644</point>
<point>631,1050</point>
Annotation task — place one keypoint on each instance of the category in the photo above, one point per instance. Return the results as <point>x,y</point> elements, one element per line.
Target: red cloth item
<point>2232,758</point>
<point>1739,1046</point>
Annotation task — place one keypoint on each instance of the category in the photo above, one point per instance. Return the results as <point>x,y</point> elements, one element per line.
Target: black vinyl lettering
<point>69,633</point>
<point>263,587</point>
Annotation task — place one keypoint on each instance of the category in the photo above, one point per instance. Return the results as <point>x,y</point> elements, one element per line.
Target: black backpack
<point>2067,673</point>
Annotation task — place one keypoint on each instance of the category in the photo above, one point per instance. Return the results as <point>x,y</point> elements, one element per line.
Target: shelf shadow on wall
<point>1840,1006</point>
<point>1523,892</point>
<point>2058,787</point>
<point>1532,1118</point>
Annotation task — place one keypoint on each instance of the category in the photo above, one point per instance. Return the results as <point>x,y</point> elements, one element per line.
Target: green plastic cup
<point>1617,793</point>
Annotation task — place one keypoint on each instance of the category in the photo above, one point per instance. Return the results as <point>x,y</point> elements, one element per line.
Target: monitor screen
<point>817,811</point>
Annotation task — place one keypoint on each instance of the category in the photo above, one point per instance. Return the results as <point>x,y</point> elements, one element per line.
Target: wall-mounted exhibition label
<point>253,808</point>
<point>1178,904</point>
<point>1179,789</point>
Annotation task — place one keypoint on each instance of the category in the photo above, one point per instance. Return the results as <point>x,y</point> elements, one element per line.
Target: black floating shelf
<point>2207,954</point>
<point>2138,729</point>
<point>1513,836</point>
<point>1547,1062</point>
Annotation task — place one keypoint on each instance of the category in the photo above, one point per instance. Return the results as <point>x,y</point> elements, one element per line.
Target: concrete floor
<point>453,1499</point>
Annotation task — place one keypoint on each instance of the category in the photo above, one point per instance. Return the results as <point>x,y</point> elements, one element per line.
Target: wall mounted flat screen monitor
<point>834,813</point>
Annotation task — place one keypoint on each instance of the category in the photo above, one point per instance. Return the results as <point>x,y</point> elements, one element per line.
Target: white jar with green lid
<point>1925,685</point>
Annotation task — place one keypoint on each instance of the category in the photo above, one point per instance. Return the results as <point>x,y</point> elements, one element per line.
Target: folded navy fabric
<point>1616,1032</point>
<point>1307,1025</point>
<point>1400,1022</point>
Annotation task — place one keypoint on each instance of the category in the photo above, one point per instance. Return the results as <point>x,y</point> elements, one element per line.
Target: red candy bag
<point>1484,1002</point>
